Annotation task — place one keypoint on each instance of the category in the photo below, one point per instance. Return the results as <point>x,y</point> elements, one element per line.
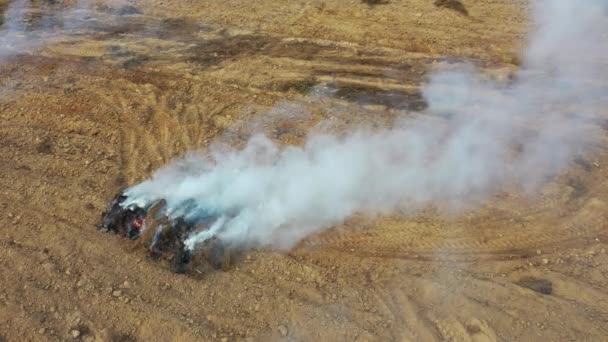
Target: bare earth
<point>102,104</point>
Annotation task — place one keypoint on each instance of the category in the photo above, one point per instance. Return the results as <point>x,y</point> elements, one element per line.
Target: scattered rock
<point>75,333</point>
<point>41,330</point>
<point>126,285</point>
<point>283,330</point>
<point>80,283</point>
<point>545,261</point>
<point>117,293</point>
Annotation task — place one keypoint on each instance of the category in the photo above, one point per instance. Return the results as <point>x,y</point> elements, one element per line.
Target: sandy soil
<point>101,103</point>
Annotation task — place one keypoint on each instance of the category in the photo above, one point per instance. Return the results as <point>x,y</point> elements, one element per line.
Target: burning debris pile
<point>164,234</point>
<point>477,137</point>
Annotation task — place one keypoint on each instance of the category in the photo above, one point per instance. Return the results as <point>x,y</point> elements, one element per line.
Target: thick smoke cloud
<point>476,137</point>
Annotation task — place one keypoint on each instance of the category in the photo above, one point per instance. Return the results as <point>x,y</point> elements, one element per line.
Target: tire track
<point>495,239</point>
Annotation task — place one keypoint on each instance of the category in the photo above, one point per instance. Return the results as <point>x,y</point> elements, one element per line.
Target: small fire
<point>138,222</point>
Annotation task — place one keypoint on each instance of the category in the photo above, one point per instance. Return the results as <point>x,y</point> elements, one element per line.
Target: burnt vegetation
<point>454,5</point>
<point>301,86</point>
<point>164,236</point>
<point>539,285</point>
<point>375,2</point>
<point>370,95</point>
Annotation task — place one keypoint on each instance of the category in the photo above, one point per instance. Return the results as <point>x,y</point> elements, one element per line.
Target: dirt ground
<point>104,95</point>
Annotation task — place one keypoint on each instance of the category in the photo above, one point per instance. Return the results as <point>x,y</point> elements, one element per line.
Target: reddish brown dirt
<point>102,106</point>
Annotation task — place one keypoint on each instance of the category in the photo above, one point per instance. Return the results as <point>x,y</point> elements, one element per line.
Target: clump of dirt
<point>583,163</point>
<point>44,145</point>
<point>301,86</point>
<point>134,61</point>
<point>376,2</point>
<point>539,285</point>
<point>579,189</point>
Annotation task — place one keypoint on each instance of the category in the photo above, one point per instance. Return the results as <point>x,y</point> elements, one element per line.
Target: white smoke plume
<point>476,137</point>
<point>27,25</point>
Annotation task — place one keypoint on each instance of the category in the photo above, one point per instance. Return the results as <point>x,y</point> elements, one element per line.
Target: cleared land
<point>102,102</point>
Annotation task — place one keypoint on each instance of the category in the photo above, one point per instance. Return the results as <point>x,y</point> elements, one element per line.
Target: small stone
<point>545,261</point>
<point>538,251</point>
<point>117,293</point>
<point>126,285</point>
<point>80,283</point>
<point>224,339</point>
<point>299,280</point>
<point>283,330</point>
<point>41,330</point>
<point>75,333</point>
